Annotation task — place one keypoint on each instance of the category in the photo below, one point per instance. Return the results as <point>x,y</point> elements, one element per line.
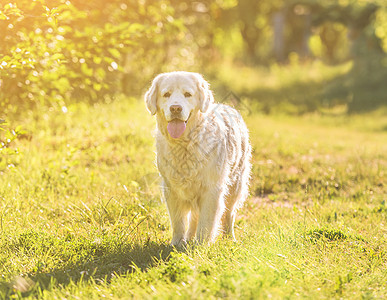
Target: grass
<point>305,87</point>
<point>81,216</point>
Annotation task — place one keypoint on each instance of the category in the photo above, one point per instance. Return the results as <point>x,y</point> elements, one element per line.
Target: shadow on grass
<point>361,90</point>
<point>298,98</point>
<point>101,268</point>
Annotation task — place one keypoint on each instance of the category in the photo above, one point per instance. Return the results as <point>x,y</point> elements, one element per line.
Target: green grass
<point>304,87</point>
<point>81,216</point>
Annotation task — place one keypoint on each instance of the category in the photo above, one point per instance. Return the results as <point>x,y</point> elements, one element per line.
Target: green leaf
<point>135,27</point>
<point>19,130</point>
<point>100,74</point>
<point>97,60</point>
<point>3,16</point>
<point>57,56</point>
<point>86,70</point>
<point>97,86</point>
<point>114,52</point>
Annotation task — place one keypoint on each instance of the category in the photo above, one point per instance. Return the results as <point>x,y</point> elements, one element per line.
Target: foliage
<point>61,50</point>
<point>7,137</point>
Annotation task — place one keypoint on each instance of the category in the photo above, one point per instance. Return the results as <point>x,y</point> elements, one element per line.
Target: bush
<point>7,151</point>
<point>57,51</point>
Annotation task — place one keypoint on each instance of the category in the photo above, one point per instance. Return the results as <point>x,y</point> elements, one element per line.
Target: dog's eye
<point>167,95</point>
<point>187,95</point>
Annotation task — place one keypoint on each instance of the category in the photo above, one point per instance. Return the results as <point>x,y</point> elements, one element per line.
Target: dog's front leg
<point>211,210</point>
<point>193,224</point>
<point>178,213</point>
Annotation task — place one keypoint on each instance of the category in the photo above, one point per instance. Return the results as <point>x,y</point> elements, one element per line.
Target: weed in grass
<point>326,234</point>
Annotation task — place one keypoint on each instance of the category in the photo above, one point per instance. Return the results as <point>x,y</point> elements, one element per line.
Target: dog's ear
<point>151,96</point>
<point>205,95</point>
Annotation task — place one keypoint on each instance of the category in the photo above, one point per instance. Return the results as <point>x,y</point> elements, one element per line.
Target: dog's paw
<point>179,245</point>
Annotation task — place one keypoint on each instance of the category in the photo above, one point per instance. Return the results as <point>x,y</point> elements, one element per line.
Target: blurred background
<point>279,56</point>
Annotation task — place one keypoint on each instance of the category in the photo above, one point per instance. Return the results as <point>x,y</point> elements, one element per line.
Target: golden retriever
<point>203,156</point>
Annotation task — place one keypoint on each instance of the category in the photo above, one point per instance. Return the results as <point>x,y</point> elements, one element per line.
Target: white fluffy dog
<point>203,155</point>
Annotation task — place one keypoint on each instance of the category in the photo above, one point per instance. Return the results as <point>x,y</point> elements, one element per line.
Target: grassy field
<point>81,215</point>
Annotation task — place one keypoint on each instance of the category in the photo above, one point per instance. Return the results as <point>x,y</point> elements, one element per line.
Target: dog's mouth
<point>176,127</point>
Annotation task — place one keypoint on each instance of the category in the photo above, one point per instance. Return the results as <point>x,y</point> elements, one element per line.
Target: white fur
<point>206,171</point>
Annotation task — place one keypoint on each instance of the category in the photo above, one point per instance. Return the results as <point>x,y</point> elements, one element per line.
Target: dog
<point>203,156</point>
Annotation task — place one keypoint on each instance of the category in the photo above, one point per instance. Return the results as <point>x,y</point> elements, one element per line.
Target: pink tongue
<point>176,128</point>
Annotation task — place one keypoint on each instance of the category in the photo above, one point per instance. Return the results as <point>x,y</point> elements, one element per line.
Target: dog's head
<point>178,96</point>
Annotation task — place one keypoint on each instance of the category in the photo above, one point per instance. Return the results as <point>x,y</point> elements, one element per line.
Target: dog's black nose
<point>175,109</point>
